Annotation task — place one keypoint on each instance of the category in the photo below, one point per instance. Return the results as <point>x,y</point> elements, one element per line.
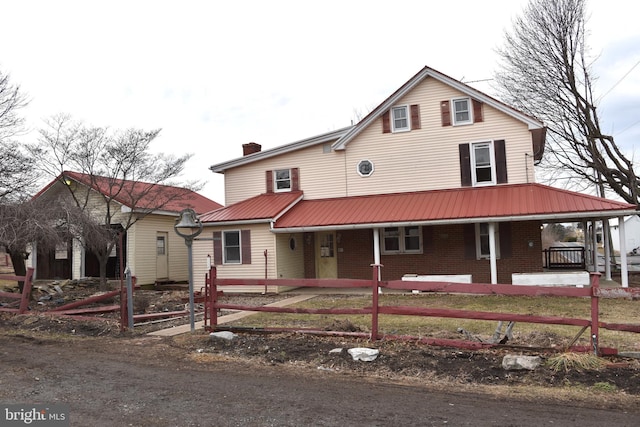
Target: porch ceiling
<point>500,203</point>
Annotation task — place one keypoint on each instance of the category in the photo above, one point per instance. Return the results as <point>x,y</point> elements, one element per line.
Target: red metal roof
<point>143,195</point>
<point>455,205</point>
<point>263,207</point>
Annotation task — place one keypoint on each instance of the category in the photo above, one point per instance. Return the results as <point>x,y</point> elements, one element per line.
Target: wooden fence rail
<point>594,292</point>
<point>23,297</point>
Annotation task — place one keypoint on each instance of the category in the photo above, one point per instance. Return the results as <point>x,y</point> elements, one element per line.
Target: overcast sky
<point>214,75</point>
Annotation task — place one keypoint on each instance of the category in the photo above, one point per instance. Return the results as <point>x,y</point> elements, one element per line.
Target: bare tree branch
<point>545,71</point>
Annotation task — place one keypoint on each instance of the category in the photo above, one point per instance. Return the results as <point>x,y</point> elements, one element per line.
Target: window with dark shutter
<point>445,113</point>
<point>415,117</point>
<point>295,179</point>
<point>217,248</point>
<point>469,236</point>
<point>477,111</point>
<point>386,122</point>
<point>245,239</point>
<point>269,181</point>
<point>501,161</point>
<point>465,165</point>
<point>505,240</point>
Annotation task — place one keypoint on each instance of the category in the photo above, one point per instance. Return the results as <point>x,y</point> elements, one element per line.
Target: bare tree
<point>116,167</point>
<point>16,168</point>
<point>24,225</point>
<point>546,71</point>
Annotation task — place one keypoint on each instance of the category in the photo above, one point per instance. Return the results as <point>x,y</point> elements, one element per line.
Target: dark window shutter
<point>427,240</point>
<point>245,242</point>
<point>477,111</point>
<point>386,122</point>
<point>295,179</point>
<point>501,161</point>
<point>465,165</point>
<point>415,117</point>
<point>469,236</point>
<point>446,113</point>
<point>217,248</point>
<point>505,239</point>
<point>269,181</point>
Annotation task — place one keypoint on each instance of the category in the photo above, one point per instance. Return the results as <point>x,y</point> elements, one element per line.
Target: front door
<point>162,261</point>
<point>326,256</point>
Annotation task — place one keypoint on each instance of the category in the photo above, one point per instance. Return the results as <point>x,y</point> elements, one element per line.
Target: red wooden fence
<point>23,297</point>
<point>594,292</point>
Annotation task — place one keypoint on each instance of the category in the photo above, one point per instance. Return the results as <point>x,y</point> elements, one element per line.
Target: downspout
<point>492,253</point>
<point>265,272</point>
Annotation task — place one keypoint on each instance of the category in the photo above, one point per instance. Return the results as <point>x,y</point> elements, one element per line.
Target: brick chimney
<point>251,148</point>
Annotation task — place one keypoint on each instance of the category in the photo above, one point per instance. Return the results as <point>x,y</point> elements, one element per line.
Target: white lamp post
<point>188,227</point>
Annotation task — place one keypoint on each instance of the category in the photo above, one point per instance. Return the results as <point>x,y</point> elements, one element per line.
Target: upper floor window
<point>400,118</point>
<point>282,180</point>
<point>398,240</point>
<point>482,163</point>
<point>461,111</point>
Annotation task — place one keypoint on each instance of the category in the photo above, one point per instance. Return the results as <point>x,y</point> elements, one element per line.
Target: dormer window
<point>462,111</point>
<point>400,120</point>
<point>282,180</point>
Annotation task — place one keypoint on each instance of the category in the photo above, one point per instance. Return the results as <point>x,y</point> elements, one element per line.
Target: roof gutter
<point>548,217</point>
<point>238,222</point>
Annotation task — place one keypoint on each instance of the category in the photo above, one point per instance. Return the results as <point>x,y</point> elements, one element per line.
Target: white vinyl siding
<point>315,169</point>
<point>428,158</point>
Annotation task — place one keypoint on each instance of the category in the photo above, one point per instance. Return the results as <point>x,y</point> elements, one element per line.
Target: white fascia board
<point>544,217</point>
<point>239,222</point>
<point>294,146</point>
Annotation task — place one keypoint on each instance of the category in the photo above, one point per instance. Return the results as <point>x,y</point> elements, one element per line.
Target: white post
<point>624,274</point>
<point>607,251</point>
<point>594,242</point>
<point>376,253</point>
<point>492,253</point>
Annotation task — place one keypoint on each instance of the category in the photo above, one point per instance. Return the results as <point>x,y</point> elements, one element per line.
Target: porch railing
<point>561,257</point>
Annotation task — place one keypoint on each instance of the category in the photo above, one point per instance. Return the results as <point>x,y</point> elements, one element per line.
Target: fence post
<point>595,284</point>
<point>374,301</point>
<point>129,280</point>
<point>213,290</point>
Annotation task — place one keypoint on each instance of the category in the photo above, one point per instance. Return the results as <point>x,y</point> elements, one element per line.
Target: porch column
<point>606,239</point>
<point>594,243</point>
<point>492,253</point>
<point>376,249</point>
<point>624,274</point>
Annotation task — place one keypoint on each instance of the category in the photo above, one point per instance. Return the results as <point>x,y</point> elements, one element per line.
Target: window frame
<point>474,165</point>
<point>276,180</point>
<point>225,258</point>
<point>373,168</point>
<point>407,117</point>
<point>479,235</point>
<point>402,235</point>
<point>454,112</point>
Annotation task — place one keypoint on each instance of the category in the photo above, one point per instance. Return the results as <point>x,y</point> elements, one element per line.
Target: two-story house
<point>437,179</point>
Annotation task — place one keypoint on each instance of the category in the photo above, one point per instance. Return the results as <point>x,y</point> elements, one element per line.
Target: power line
<point>619,81</point>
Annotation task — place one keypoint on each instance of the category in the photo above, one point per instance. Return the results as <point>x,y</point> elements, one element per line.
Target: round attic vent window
<point>365,168</point>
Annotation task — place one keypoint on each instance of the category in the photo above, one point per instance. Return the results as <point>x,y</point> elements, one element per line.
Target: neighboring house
<point>632,235</point>
<point>437,180</point>
<point>151,248</point>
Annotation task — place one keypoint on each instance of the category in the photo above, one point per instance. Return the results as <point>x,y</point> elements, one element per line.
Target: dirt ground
<point>397,360</point>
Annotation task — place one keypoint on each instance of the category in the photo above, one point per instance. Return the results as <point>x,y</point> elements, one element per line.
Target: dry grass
<point>575,362</point>
<point>611,310</point>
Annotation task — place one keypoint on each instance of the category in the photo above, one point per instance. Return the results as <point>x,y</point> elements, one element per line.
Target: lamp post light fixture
<point>189,227</point>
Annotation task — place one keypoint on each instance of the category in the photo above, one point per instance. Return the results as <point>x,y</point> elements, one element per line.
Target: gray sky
<point>214,75</point>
